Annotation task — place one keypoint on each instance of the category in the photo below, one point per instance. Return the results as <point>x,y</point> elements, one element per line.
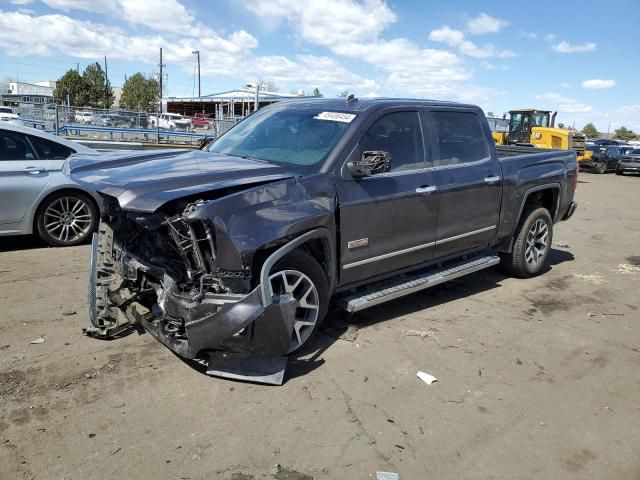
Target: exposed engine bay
<point>159,272</point>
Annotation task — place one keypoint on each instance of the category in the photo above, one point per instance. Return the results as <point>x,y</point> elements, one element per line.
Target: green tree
<point>70,87</point>
<point>99,91</point>
<point>316,92</point>
<point>343,94</point>
<point>590,131</point>
<point>623,133</point>
<point>140,93</point>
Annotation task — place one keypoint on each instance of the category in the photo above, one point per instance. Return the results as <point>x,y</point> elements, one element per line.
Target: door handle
<point>33,170</point>
<point>492,179</point>
<point>425,190</point>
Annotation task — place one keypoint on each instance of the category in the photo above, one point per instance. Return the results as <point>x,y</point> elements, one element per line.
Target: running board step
<point>389,290</point>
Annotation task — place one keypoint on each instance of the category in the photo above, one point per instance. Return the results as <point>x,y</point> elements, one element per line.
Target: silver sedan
<point>36,196</point>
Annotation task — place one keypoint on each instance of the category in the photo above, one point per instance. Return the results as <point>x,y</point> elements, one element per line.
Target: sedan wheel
<point>67,219</point>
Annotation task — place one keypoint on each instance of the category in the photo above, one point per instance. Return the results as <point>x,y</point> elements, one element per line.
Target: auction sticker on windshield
<point>336,116</point>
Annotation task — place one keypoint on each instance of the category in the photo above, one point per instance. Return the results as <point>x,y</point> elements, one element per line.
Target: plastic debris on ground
<point>426,378</point>
<point>387,476</point>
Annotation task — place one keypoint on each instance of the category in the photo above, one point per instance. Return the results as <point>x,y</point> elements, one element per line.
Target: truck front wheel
<point>532,244</point>
<point>301,276</point>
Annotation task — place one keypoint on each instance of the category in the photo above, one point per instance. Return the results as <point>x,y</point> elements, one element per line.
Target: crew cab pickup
<point>239,249</point>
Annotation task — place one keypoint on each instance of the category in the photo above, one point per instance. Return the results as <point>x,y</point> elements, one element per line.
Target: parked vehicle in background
<point>6,110</point>
<point>605,158</point>
<point>201,120</point>
<point>629,162</point>
<point>36,195</point>
<point>240,248</point>
<point>603,142</point>
<point>174,121</point>
<point>11,119</point>
<point>83,117</point>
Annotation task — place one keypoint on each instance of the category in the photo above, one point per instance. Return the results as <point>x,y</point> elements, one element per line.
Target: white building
<point>22,92</point>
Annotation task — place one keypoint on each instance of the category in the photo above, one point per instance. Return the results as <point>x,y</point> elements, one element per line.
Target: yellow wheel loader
<point>536,128</point>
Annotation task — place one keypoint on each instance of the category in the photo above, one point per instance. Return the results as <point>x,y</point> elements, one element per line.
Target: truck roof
<point>363,104</point>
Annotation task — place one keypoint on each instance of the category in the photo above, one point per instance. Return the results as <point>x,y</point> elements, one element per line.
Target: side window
<point>459,137</point>
<point>48,150</point>
<point>400,135</point>
<point>15,147</point>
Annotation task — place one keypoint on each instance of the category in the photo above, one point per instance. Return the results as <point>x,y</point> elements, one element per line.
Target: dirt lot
<point>537,378</point>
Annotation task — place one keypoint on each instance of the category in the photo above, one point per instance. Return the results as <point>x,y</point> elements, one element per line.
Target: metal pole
<point>56,125</point>
<point>255,105</point>
<point>160,105</point>
<point>199,91</point>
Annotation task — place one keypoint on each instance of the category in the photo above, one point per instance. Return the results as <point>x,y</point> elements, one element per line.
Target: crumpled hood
<point>143,181</point>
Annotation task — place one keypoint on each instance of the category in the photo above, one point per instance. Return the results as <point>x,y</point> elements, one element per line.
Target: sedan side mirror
<point>370,163</point>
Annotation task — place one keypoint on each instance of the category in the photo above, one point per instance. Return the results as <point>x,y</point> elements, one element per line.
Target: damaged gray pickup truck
<point>231,255</point>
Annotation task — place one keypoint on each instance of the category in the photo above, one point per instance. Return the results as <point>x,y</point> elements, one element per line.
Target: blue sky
<point>555,55</point>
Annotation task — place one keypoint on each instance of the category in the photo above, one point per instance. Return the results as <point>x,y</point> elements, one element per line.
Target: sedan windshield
<point>297,137</point>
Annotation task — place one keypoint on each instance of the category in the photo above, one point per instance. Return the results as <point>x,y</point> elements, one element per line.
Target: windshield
<point>635,151</point>
<point>302,137</point>
<point>539,119</point>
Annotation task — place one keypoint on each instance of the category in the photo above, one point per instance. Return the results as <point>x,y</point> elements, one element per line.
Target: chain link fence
<point>123,125</point>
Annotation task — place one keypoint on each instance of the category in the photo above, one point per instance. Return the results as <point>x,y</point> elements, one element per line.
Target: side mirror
<point>370,163</point>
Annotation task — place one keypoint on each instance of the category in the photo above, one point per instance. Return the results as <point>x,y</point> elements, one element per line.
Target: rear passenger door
<point>468,181</point>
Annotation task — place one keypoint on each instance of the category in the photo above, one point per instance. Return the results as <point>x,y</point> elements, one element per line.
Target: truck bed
<point>513,150</point>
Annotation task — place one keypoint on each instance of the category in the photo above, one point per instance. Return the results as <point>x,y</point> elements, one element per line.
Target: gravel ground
<point>537,378</point>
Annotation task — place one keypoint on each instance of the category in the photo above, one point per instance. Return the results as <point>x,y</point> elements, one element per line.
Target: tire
<point>528,260</point>
<point>66,218</point>
<point>312,290</point>
<point>601,168</point>
<point>619,172</point>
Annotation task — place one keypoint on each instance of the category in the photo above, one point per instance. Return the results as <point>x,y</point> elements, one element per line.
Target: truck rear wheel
<point>300,275</point>
<point>532,243</point>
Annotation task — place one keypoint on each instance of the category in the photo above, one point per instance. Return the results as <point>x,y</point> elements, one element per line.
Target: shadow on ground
<point>341,325</point>
<point>21,242</point>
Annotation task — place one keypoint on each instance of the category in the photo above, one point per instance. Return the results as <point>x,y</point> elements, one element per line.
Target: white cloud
<point>231,56</point>
<point>493,66</point>
<point>564,104</point>
<point>447,35</point>
<point>487,51</point>
<point>630,110</point>
<point>597,83</point>
<point>329,22</point>
<point>484,23</point>
<point>550,37</point>
<point>455,38</point>
<point>353,29</point>
<point>161,15</point>
<point>21,2</point>
<point>566,47</point>
<point>528,35</point>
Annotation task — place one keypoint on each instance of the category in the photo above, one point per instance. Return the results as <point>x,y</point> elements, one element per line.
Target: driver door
<point>387,220</point>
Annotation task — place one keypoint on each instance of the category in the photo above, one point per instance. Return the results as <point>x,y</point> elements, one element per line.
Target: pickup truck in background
<point>174,121</point>
<point>239,249</point>
<point>201,120</point>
